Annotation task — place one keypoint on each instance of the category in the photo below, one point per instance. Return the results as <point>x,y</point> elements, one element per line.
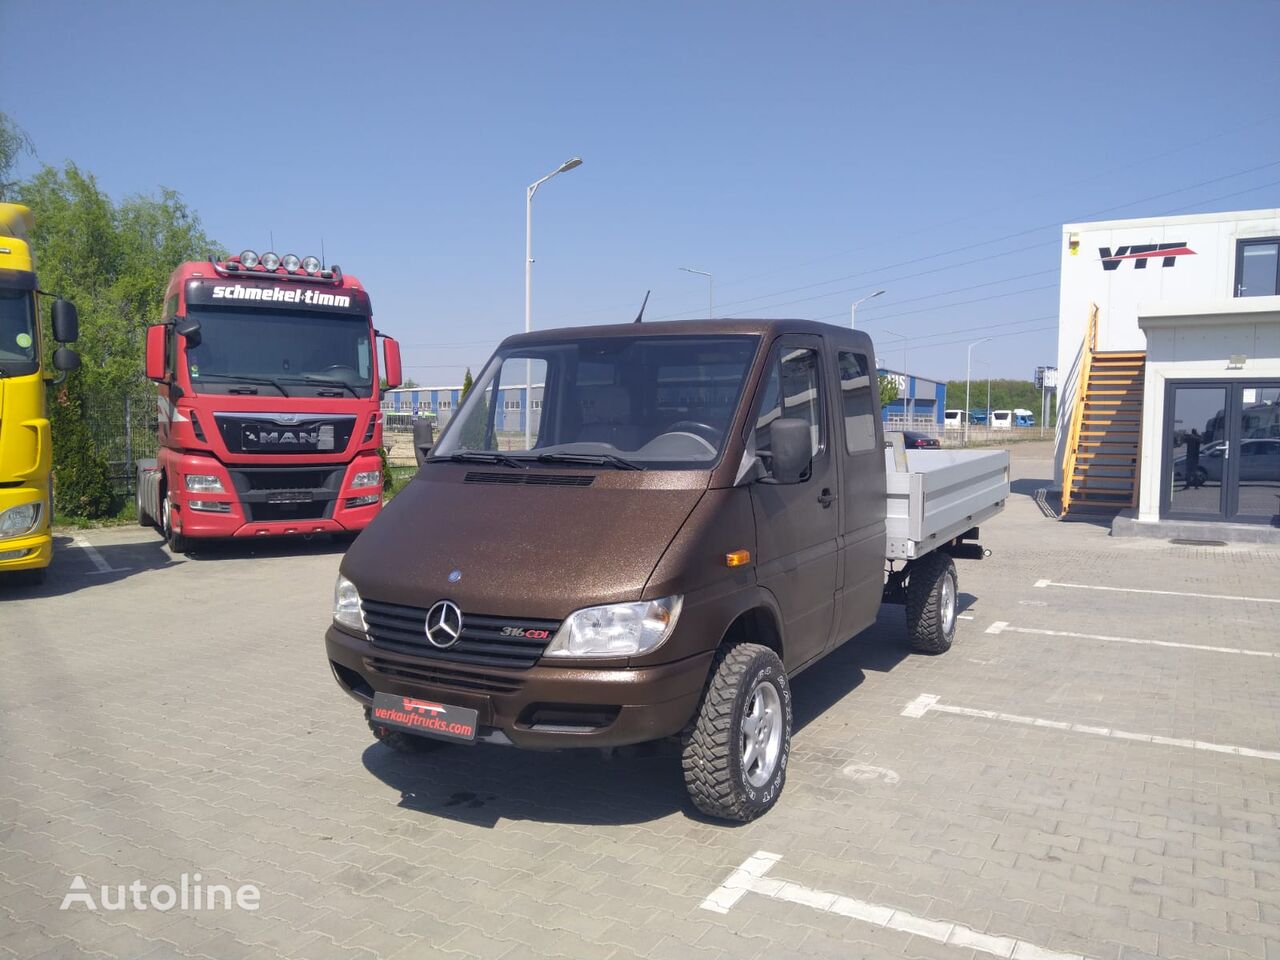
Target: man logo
<point>444,624</point>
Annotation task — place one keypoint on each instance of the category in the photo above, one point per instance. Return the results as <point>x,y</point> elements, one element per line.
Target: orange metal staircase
<point>1104,445</point>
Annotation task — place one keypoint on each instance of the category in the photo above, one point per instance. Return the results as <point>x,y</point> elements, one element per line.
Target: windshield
<point>278,352</point>
<point>644,401</point>
<point>18,347</point>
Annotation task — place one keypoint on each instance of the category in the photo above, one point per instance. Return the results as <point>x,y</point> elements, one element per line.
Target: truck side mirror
<point>423,440</point>
<point>188,328</point>
<point>66,360</point>
<point>392,373</point>
<point>66,322</point>
<point>790,451</point>
<point>155,351</point>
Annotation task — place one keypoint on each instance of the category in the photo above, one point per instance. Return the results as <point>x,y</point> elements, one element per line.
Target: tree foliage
<point>888,390</point>
<point>467,383</point>
<point>81,477</point>
<point>14,142</point>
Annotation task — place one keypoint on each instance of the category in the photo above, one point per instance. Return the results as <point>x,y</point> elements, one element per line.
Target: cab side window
<point>855,397</point>
<point>792,390</point>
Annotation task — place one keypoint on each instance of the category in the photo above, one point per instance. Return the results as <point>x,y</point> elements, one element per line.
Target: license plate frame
<point>426,718</point>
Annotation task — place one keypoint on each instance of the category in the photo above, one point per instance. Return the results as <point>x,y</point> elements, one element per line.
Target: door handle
<point>826,497</point>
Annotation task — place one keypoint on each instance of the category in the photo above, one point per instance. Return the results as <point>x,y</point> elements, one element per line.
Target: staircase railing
<point>1078,408</point>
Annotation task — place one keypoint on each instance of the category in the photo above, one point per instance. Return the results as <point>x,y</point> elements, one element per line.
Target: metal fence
<point>123,432</point>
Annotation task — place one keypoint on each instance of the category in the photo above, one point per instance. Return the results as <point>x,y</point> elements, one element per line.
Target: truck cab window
<point>792,390</point>
<point>855,397</point>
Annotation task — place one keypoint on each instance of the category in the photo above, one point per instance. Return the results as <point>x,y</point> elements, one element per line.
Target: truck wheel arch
<point>758,624</point>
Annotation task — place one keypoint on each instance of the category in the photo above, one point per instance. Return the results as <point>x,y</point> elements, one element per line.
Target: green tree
<point>113,261</point>
<point>1005,395</point>
<point>82,479</point>
<point>14,142</point>
<point>888,390</point>
<point>467,383</point>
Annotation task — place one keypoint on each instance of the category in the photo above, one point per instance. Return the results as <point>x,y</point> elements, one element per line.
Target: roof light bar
<point>270,260</point>
<point>248,259</point>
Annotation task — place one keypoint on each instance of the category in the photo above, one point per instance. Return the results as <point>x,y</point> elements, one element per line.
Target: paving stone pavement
<point>177,716</point>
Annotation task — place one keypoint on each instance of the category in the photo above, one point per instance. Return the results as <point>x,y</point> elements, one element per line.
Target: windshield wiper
<point>325,381</point>
<point>265,381</point>
<point>591,459</point>
<point>480,456</point>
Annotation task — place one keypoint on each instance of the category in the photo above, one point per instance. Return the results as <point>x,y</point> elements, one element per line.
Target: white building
<point>1199,296</point>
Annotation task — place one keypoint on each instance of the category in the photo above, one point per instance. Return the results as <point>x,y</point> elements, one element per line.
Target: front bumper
<point>543,707</point>
<point>32,550</point>
<point>240,510</point>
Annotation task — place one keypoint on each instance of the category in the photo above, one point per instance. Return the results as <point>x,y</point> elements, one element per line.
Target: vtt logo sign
<point>1141,253</point>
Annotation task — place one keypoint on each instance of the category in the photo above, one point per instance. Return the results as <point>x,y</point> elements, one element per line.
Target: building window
<point>1258,267</point>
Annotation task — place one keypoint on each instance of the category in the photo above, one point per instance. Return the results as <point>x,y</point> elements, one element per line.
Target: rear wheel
<point>177,542</point>
<point>735,756</point>
<point>932,604</point>
<point>398,740</point>
<point>143,519</point>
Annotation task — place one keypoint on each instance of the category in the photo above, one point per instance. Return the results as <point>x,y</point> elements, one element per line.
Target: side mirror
<point>188,328</point>
<point>155,351</point>
<point>392,373</point>
<point>66,360</point>
<point>790,451</point>
<point>66,322</point>
<point>423,440</point>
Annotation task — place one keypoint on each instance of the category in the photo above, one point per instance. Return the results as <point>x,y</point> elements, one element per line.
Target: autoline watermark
<point>189,893</point>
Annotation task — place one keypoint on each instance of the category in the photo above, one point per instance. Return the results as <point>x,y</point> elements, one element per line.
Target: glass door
<point>1255,479</point>
<point>1194,479</point>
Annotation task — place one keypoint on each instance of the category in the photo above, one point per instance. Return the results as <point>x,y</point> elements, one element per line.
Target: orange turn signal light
<point>738,558</point>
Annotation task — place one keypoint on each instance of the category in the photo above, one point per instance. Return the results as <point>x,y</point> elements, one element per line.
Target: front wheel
<point>932,601</point>
<point>177,542</point>
<point>735,756</point>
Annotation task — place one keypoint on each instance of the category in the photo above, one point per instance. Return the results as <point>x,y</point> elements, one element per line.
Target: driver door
<point>797,524</point>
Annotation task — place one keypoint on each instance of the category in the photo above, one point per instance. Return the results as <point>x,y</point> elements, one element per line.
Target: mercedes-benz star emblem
<point>444,624</point>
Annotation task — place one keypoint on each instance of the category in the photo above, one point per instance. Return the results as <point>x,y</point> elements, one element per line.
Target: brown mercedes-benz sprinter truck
<point>694,514</point>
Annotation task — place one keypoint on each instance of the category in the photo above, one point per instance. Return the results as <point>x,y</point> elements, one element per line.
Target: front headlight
<point>616,629</point>
<point>367,478</point>
<point>346,605</point>
<point>203,483</point>
<point>18,520</point>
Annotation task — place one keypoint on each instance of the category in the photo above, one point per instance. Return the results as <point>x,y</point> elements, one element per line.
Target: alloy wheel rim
<point>761,734</point>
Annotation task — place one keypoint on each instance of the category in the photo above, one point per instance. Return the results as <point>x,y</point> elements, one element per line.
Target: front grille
<point>531,479</point>
<point>443,677</point>
<point>288,493</point>
<point>403,629</point>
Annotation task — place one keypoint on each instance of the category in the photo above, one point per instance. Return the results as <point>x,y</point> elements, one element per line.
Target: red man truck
<point>267,387</point>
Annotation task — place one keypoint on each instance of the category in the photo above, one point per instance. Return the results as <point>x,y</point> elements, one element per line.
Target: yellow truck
<point>26,453</point>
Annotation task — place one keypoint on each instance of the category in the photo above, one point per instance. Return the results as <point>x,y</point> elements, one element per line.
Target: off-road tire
<point>398,740</point>
<point>929,629</point>
<point>177,542</point>
<point>712,750</point>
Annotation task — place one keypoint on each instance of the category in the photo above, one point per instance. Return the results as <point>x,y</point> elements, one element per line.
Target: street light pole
<point>968,366</point>
<point>853,310</point>
<point>711,296</point>
<point>528,288</point>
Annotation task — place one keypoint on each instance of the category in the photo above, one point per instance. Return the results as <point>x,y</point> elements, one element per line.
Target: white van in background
<point>955,419</point>
<point>1001,420</point>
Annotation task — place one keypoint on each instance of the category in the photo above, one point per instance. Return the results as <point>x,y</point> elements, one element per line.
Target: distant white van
<point>1001,420</point>
<point>955,419</point>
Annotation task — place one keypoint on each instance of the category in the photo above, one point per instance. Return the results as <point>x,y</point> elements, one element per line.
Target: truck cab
<point>697,515</point>
<point>26,368</point>
<point>267,385</point>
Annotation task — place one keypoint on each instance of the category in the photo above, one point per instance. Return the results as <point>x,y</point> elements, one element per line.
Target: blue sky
<point>805,153</point>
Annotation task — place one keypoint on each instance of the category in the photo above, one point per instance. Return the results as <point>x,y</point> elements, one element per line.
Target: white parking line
<point>1162,593</point>
<point>750,878</point>
<point>928,701</point>
<point>96,557</point>
<point>1001,626</point>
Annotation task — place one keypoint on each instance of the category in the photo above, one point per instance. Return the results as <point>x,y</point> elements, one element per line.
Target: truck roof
<point>678,328</point>
<point>16,221</point>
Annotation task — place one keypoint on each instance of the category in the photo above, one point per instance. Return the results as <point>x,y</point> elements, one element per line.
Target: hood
<point>524,549</point>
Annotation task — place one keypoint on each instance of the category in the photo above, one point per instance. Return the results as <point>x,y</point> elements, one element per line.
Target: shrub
<point>81,478</point>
